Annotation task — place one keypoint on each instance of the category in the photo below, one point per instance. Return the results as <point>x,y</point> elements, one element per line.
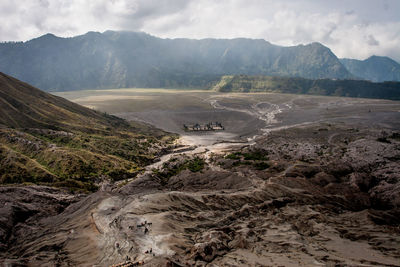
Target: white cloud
<point>356,29</point>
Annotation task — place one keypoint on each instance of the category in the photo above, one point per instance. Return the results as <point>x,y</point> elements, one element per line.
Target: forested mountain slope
<point>132,59</point>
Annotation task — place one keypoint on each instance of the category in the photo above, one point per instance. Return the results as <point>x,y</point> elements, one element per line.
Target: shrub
<point>235,155</point>
<point>383,140</point>
<point>255,155</point>
<point>196,164</point>
<point>169,170</point>
<point>117,174</point>
<point>261,165</point>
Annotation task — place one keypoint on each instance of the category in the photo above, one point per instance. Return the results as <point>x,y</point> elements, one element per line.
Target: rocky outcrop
<point>24,206</point>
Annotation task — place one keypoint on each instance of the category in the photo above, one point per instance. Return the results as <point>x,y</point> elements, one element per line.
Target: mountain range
<point>135,59</point>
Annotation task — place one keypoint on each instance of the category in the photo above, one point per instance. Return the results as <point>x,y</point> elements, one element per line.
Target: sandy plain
<point>243,115</point>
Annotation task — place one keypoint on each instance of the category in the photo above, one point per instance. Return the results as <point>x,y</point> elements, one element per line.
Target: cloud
<point>372,41</point>
<point>356,29</point>
<point>27,19</point>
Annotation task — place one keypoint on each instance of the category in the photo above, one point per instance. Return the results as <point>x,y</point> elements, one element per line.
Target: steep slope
<point>131,59</point>
<point>376,69</point>
<point>351,88</point>
<point>47,139</point>
<point>22,105</point>
<point>313,61</point>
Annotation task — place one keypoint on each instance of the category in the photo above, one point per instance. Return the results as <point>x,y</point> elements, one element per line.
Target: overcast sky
<point>351,28</point>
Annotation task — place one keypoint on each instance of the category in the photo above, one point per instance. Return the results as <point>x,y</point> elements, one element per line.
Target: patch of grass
<point>236,163</point>
<point>383,140</point>
<point>51,157</point>
<point>255,155</point>
<point>172,168</point>
<point>261,165</point>
<point>235,155</point>
<point>257,158</point>
<point>120,174</point>
<point>195,165</point>
<point>74,185</point>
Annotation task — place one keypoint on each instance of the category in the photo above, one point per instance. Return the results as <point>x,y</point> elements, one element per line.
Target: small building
<point>211,126</point>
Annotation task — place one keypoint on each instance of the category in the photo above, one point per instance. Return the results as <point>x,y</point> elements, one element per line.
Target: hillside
<point>376,69</point>
<point>349,88</point>
<point>23,106</point>
<point>132,59</point>
<point>46,139</point>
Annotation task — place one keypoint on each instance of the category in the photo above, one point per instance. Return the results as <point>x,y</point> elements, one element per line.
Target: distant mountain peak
<point>49,36</point>
<point>46,37</point>
<point>381,58</point>
<point>90,33</point>
<point>318,44</point>
<point>375,68</point>
<point>374,57</point>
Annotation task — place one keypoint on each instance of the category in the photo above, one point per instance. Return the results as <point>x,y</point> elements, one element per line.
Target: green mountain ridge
<point>374,68</point>
<point>294,85</point>
<point>46,139</point>
<point>132,59</point>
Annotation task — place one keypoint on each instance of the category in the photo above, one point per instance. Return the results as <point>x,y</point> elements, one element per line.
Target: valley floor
<point>293,181</point>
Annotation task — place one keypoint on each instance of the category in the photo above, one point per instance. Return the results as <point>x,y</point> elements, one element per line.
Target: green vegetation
<point>257,158</point>
<point>195,165</point>
<point>174,167</point>
<point>254,155</point>
<point>261,165</point>
<point>234,155</point>
<point>49,140</point>
<point>46,158</point>
<point>348,88</point>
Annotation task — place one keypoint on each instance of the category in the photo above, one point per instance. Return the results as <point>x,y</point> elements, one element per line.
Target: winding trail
<point>263,110</point>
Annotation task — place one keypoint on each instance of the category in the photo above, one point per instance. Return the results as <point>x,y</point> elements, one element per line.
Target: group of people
<point>128,263</point>
<point>146,226</point>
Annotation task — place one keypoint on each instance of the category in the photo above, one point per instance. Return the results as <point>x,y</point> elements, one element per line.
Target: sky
<point>350,28</point>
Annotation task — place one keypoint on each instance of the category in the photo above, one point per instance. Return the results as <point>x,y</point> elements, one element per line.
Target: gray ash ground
<point>318,188</point>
